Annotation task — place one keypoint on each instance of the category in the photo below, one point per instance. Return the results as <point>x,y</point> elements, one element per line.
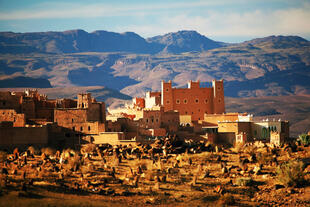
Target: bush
<point>88,148</point>
<point>227,199</point>
<point>264,158</point>
<point>48,151</point>
<point>291,173</point>
<point>247,181</point>
<point>74,163</point>
<point>3,156</point>
<point>304,139</point>
<point>250,150</point>
<point>32,150</point>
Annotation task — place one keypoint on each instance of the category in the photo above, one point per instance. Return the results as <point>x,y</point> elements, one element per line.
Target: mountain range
<point>269,66</point>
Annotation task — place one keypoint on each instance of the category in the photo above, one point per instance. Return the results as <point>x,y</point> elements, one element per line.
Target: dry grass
<point>227,200</point>
<point>48,151</point>
<point>3,156</point>
<point>291,173</point>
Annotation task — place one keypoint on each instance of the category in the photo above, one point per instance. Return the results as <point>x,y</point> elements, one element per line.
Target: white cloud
<point>77,10</point>
<point>254,23</point>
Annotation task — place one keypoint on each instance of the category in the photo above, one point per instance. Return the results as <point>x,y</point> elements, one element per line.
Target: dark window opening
<point>88,128</point>
<point>185,101</point>
<point>73,128</point>
<point>197,100</point>
<point>72,120</point>
<point>81,128</point>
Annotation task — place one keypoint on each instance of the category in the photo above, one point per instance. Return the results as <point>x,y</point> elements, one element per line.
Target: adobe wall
<point>215,118</point>
<point>218,97</point>
<point>45,113</point>
<point>194,101</point>
<point>96,112</point>
<point>10,115</point>
<point>67,116</point>
<point>9,101</point>
<point>236,127</point>
<point>28,108</point>
<point>11,136</point>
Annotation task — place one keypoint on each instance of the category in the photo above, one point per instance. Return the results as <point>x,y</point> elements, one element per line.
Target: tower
<point>167,97</point>
<point>84,101</point>
<point>218,97</point>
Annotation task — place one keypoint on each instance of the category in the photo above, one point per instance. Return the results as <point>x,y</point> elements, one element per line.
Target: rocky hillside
<point>270,66</point>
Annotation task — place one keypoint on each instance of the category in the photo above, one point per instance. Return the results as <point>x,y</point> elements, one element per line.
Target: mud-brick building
<point>10,115</point>
<point>88,117</point>
<point>157,120</point>
<point>194,101</point>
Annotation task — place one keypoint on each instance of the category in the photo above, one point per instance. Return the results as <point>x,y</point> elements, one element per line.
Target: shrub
<point>74,163</point>
<point>227,199</point>
<point>246,181</point>
<point>89,148</point>
<point>48,151</point>
<point>3,156</point>
<point>250,150</point>
<point>304,139</point>
<point>264,158</point>
<point>32,150</point>
<point>291,173</point>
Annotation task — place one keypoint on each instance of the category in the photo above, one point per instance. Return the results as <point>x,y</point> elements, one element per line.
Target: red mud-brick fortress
<point>194,100</point>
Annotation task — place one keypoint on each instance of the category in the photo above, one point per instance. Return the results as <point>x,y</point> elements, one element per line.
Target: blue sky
<point>221,20</point>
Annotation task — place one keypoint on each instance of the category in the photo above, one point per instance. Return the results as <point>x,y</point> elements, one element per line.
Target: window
<point>73,128</point>
<point>81,128</point>
<point>178,101</point>
<point>72,120</point>
<point>192,112</point>
<point>185,101</point>
<point>206,101</point>
<point>218,88</point>
<point>88,128</point>
<point>152,120</point>
<point>167,89</point>
<point>219,100</point>
<point>197,100</point>
<point>147,120</point>
<point>198,110</point>
<point>185,112</point>
<point>168,102</point>
<point>156,120</point>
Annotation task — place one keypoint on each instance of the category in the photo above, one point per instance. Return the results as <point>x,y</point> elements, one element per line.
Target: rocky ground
<point>193,175</point>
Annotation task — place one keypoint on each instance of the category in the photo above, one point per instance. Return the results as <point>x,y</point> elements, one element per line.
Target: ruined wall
<point>67,116</point>
<point>9,101</point>
<point>154,119</point>
<point>10,115</point>
<point>28,108</point>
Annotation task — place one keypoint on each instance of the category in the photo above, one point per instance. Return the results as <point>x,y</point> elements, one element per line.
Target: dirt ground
<point>223,177</point>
